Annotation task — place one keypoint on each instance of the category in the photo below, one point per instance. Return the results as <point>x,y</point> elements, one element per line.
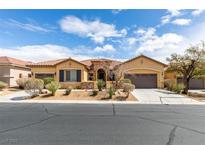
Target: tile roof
<point>13,61</point>
<point>84,62</point>
<point>47,63</point>
<point>113,62</point>
<point>53,62</point>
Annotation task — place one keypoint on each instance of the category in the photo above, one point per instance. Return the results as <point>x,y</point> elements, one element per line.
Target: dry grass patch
<point>86,95</point>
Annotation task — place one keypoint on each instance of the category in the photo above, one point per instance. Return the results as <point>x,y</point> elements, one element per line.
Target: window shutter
<point>67,75</point>
<point>78,75</point>
<point>61,76</point>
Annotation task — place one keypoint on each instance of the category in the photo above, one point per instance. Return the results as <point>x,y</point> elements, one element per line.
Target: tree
<point>116,74</point>
<point>189,65</point>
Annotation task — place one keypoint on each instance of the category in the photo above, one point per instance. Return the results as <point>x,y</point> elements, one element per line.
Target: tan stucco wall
<point>10,74</point>
<point>69,64</point>
<point>144,65</point>
<point>43,69</point>
<point>14,73</point>
<point>170,76</point>
<point>4,71</point>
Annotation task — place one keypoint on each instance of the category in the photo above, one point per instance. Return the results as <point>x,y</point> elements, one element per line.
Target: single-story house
<point>143,71</point>
<point>195,83</point>
<point>12,69</point>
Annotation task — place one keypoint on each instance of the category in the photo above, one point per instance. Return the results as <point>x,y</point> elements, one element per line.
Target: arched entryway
<point>101,75</point>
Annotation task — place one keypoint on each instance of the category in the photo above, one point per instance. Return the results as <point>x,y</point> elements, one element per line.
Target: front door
<point>101,75</point>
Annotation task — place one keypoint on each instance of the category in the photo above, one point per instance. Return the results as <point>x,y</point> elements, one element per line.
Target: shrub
<point>68,91</point>
<point>169,84</point>
<point>111,91</point>
<point>22,82</point>
<point>48,80</point>
<point>121,82</point>
<point>94,93</point>
<point>178,88</point>
<point>53,87</point>
<point>127,87</point>
<point>3,85</point>
<point>34,86</point>
<point>100,84</point>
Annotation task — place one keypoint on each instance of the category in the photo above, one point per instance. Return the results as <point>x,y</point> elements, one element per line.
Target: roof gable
<point>65,60</point>
<point>140,56</point>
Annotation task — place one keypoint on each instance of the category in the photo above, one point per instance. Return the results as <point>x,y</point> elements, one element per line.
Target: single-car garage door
<point>143,80</point>
<point>194,83</point>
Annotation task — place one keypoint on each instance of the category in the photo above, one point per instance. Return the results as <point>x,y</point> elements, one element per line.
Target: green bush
<point>3,85</point>
<point>68,91</point>
<point>111,92</point>
<point>22,82</point>
<point>48,80</point>
<point>178,88</point>
<point>53,87</point>
<point>34,87</point>
<point>100,84</point>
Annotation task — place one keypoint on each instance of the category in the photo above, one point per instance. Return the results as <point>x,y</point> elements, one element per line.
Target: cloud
<point>131,40</point>
<point>95,30</point>
<point>27,26</point>
<point>105,48</point>
<point>156,46</point>
<point>170,14</point>
<point>45,52</point>
<point>42,52</point>
<point>197,12</point>
<point>181,22</point>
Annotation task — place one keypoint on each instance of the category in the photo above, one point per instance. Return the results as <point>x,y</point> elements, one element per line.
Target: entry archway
<point>101,75</point>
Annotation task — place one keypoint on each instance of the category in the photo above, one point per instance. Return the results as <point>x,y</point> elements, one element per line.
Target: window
<point>90,76</point>
<point>20,75</point>
<point>111,76</point>
<point>43,75</point>
<point>71,75</point>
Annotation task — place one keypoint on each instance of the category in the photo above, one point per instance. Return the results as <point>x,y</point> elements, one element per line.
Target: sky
<point>39,35</point>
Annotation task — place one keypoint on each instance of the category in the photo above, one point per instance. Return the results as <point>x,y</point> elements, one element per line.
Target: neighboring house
<point>12,69</point>
<point>196,83</point>
<point>143,71</point>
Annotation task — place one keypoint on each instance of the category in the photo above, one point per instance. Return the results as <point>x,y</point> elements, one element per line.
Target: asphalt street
<point>58,123</point>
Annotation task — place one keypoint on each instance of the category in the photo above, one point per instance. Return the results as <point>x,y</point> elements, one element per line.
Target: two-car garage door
<point>143,80</point>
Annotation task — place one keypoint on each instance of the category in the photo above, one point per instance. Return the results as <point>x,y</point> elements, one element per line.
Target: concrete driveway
<point>160,96</point>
